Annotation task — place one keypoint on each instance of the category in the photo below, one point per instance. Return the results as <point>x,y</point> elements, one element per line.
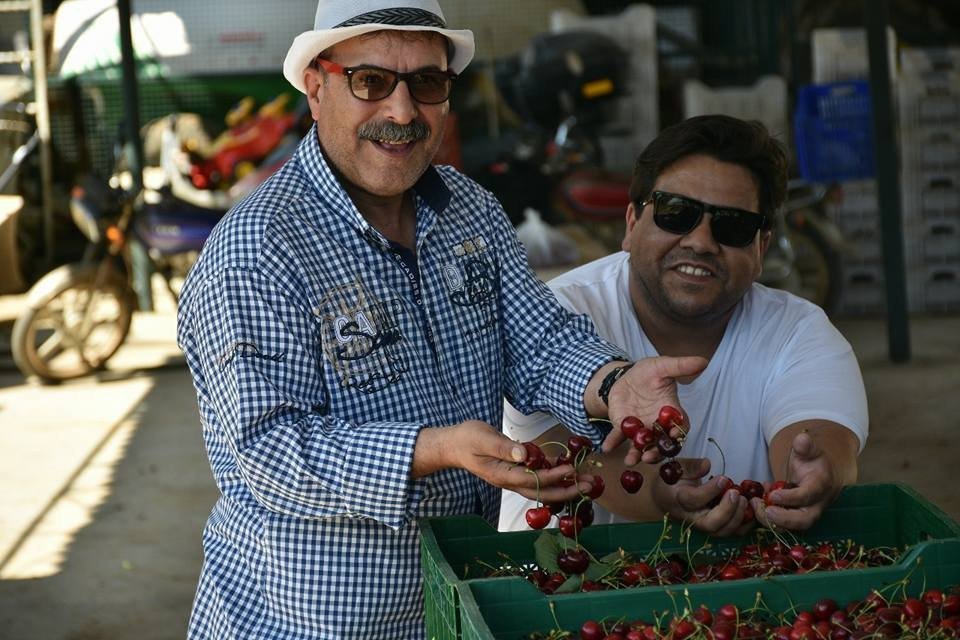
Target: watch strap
<point>609,380</point>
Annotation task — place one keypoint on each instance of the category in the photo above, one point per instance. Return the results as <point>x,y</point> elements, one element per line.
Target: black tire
<point>56,338</point>
<point>818,266</point>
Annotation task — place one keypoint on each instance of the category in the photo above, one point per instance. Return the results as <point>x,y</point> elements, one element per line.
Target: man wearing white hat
<point>352,327</point>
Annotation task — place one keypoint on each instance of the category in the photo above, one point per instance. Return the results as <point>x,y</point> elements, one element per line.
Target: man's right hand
<point>689,500</point>
<point>477,447</point>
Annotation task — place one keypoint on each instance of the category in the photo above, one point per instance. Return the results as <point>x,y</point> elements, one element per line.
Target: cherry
<point>630,425</point>
<point>591,630</point>
<point>670,472</point>
<point>578,443</point>
<point>596,488</point>
<point>914,608</point>
<point>584,514</point>
<point>535,457</point>
<point>644,438</point>
<point>538,517</point>
<point>631,481</point>
<point>779,484</point>
<point>683,629</point>
<point>703,615</point>
<point>573,561</point>
<point>824,608</point>
<point>728,612</point>
<point>668,447</point>
<point>669,417</point>
<point>751,489</point>
<point>569,525</point>
<point>635,573</point>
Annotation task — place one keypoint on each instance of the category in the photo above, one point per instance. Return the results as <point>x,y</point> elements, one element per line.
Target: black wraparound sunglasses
<point>370,83</point>
<point>730,226</point>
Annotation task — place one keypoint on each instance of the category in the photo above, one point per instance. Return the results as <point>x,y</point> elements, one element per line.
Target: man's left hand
<point>799,507</point>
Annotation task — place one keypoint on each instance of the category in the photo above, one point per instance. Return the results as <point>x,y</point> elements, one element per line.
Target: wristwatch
<point>609,380</point>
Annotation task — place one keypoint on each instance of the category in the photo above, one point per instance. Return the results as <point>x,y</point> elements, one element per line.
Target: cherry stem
<point>537,478</point>
<point>723,458</point>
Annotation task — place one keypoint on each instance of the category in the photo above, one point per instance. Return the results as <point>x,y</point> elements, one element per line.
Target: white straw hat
<point>338,20</point>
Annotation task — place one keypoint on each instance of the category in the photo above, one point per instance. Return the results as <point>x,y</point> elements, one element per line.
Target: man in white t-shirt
<point>782,396</point>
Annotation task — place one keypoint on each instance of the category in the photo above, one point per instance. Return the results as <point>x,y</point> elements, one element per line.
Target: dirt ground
<point>130,571</point>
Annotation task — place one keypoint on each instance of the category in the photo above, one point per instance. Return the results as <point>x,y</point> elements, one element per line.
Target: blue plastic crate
<point>833,131</point>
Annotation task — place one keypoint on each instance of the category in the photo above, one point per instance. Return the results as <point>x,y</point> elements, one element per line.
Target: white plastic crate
<point>863,290</point>
<point>861,231</point>
<point>635,30</point>
<point>929,194</point>
<point>923,60</point>
<point>929,100</point>
<point>930,149</point>
<point>765,100</point>
<point>858,197</point>
<point>933,241</point>
<point>934,287</point>
<point>841,54</point>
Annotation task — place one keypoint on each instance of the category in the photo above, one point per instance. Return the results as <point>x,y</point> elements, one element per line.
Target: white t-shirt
<point>780,361</point>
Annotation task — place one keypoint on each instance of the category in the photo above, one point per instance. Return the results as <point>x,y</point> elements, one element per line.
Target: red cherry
<point>731,572</point>
<point>584,514</point>
<point>596,488</point>
<point>670,472</point>
<point>824,608</point>
<point>644,438</point>
<point>669,417</point>
<point>578,443</point>
<point>630,425</point>
<point>591,630</point>
<point>573,561</point>
<point>751,489</point>
<point>631,481</point>
<point>951,605</point>
<point>668,447</point>
<point>703,615</point>
<point>636,573</point>
<point>683,629</point>
<point>728,612</point>
<point>535,457</point>
<point>569,526</point>
<point>538,517</point>
<point>914,608</point>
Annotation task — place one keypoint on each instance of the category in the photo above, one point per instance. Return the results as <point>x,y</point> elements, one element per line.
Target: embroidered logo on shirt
<point>361,337</point>
<point>473,281</point>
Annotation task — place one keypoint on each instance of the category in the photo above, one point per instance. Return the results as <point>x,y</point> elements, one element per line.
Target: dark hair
<point>728,139</point>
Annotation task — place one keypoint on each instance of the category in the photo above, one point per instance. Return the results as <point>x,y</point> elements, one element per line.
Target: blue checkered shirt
<point>318,353</point>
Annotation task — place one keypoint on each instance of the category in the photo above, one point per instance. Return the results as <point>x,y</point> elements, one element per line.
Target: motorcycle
<point>78,315</point>
<point>560,174</point>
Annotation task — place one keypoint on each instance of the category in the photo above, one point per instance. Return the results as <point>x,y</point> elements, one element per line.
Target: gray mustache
<point>394,133</point>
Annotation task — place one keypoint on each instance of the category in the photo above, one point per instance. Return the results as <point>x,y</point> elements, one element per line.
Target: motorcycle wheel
<point>818,267</point>
<point>75,321</point>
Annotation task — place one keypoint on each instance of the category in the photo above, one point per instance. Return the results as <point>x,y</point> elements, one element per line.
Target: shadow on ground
<point>132,571</point>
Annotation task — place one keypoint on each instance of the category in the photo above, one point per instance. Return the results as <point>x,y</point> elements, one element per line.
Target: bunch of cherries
<point>756,560</point>
<point>932,614</point>
<point>575,515</point>
<point>644,438</point>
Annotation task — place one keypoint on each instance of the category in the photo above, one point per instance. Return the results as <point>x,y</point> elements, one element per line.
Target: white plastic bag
<point>546,246</point>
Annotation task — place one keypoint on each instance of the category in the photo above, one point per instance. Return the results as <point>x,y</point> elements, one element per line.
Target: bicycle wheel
<point>76,320</point>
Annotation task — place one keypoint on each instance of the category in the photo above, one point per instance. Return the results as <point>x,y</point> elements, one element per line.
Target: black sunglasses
<point>730,226</point>
<point>428,86</point>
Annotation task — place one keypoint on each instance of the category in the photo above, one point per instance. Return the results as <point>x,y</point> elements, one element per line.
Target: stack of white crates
<point>927,86</point>
<point>840,55</point>
<point>929,104</point>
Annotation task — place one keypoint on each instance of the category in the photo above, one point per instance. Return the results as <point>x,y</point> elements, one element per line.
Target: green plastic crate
<point>871,514</point>
<point>501,609</point>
